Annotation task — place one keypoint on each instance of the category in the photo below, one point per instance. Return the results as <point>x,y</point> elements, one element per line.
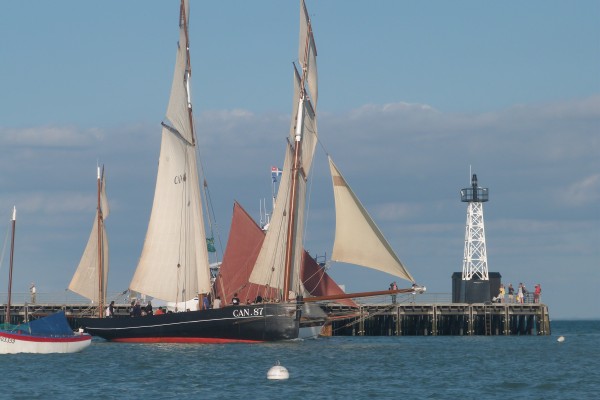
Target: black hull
<point>251,323</point>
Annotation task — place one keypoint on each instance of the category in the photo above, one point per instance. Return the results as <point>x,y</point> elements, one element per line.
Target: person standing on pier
<point>32,291</point>
<point>520,293</point>
<point>511,293</point>
<point>393,286</point>
<point>536,293</point>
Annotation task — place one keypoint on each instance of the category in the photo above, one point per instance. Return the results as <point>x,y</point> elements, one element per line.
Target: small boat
<point>174,265</point>
<point>49,334</point>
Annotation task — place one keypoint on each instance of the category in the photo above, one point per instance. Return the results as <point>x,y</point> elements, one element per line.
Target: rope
<point>365,316</point>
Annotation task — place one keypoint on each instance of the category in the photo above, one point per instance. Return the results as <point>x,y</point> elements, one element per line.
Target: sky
<point>412,97</point>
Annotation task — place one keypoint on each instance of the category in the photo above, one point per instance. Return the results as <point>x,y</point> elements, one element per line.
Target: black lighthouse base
<point>475,290</point>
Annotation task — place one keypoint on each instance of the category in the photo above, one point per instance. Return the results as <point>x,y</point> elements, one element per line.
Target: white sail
<point>269,268</point>
<point>174,263</point>
<point>85,281</point>
<point>357,239</point>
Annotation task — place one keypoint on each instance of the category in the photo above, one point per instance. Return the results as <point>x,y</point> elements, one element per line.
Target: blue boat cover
<point>52,325</point>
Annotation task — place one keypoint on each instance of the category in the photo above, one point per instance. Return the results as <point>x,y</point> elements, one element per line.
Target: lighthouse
<point>475,284</point>
<point>475,255</point>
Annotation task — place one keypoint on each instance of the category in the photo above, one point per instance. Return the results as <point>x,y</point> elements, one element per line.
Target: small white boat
<point>50,334</point>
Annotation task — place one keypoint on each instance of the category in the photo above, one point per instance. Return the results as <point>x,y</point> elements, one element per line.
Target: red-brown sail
<point>243,246</point>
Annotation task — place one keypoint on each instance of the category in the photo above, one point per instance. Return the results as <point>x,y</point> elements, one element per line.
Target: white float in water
<point>278,372</point>
<point>560,339</point>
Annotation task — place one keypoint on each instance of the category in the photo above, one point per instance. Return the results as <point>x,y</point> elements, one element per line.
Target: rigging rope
<point>364,317</point>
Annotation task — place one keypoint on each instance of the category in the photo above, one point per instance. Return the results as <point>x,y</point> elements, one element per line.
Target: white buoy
<point>278,372</point>
<point>560,339</point>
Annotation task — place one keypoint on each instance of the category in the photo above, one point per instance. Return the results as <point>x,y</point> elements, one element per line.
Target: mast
<point>183,20</point>
<point>100,228</point>
<point>296,168</point>
<point>291,215</point>
<point>279,260</point>
<point>174,264</point>
<point>10,271</point>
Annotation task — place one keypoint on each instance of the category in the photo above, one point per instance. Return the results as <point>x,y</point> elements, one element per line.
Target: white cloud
<point>585,191</point>
<point>50,136</point>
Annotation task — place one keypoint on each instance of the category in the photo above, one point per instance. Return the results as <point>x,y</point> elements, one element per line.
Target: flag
<point>275,172</point>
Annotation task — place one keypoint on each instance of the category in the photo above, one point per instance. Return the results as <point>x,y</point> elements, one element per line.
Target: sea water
<point>445,367</point>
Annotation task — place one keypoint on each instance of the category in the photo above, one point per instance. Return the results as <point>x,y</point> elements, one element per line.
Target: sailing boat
<point>91,275</point>
<point>174,264</point>
<point>278,267</point>
<point>244,243</point>
<point>50,334</point>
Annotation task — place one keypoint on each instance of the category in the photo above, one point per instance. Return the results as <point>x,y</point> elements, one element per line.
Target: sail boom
<point>356,295</point>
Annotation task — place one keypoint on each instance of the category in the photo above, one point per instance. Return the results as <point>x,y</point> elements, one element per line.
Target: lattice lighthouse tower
<point>475,255</point>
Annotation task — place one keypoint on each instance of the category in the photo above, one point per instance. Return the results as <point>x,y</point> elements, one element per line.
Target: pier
<point>430,314</point>
<point>439,319</point>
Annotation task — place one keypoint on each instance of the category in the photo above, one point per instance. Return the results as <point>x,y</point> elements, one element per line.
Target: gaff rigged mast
<point>100,221</point>
<point>10,271</point>
<point>280,259</point>
<point>90,278</point>
<point>307,59</point>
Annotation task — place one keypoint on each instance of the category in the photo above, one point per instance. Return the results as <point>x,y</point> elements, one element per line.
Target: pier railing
<point>55,298</point>
<point>422,298</point>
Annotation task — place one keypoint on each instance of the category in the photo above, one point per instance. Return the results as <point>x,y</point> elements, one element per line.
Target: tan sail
<point>357,239</point>
<point>85,280</point>
<point>268,269</point>
<point>174,263</point>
